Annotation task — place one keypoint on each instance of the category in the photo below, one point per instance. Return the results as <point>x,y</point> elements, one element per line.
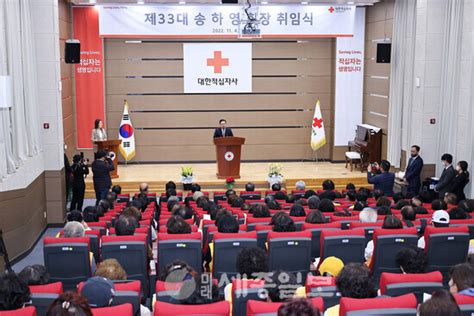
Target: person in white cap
<point>439,219</point>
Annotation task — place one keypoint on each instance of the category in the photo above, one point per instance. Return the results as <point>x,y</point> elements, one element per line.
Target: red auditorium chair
<point>219,196</point>
<point>324,287</point>
<point>440,241</point>
<point>211,230</point>
<point>123,198</point>
<point>315,230</point>
<point>94,241</point>
<point>368,228</point>
<point>67,260</point>
<point>185,247</point>
<point>100,226</point>
<point>465,303</point>
<point>227,248</point>
<point>126,292</point>
<point>347,245</point>
<point>387,243</point>
<point>464,222</point>
<point>167,291</point>
<point>262,234</point>
<point>345,220</point>
<point>404,305</point>
<point>214,309</point>
<point>25,311</point>
<point>298,193</point>
<point>257,308</point>
<point>244,290</point>
<point>43,295</point>
<point>119,310</point>
<point>252,195</point>
<point>289,251</point>
<point>395,284</point>
<point>132,254</point>
<point>252,222</point>
<point>164,229</point>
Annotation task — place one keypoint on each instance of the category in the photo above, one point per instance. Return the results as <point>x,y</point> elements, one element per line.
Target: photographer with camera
<point>101,168</point>
<point>380,177</point>
<point>80,170</point>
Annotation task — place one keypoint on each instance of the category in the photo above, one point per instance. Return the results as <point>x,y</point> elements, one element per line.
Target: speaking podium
<point>111,145</point>
<point>228,156</point>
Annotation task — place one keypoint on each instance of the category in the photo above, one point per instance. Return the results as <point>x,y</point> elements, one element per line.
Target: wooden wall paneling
<point>289,77</point>
<point>305,101</point>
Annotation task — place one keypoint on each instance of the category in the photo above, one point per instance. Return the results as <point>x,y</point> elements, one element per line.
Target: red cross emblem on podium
<point>229,156</point>
<point>331,10</point>
<point>317,122</point>
<point>217,62</point>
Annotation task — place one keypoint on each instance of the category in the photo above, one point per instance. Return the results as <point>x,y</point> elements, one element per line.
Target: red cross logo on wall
<point>217,62</point>
<point>317,122</point>
<point>331,10</point>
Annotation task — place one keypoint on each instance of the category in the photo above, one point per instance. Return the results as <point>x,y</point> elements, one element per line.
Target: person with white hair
<point>300,185</point>
<point>74,229</point>
<point>368,215</point>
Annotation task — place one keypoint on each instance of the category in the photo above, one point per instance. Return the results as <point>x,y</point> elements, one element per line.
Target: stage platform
<point>156,175</point>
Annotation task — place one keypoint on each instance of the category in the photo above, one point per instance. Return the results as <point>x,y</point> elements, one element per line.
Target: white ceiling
<point>333,2</point>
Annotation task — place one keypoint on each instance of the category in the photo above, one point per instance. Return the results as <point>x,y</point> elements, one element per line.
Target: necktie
<point>223,132</point>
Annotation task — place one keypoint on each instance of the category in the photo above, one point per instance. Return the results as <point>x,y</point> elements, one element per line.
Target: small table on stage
<point>228,156</point>
<point>111,145</point>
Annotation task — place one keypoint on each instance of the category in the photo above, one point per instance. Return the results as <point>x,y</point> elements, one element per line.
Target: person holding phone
<point>101,168</point>
<point>80,170</point>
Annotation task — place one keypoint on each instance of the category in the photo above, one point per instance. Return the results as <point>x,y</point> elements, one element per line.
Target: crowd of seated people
<point>278,212</point>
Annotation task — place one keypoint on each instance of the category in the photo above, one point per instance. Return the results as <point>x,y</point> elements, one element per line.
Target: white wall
<point>430,31</point>
<point>45,23</point>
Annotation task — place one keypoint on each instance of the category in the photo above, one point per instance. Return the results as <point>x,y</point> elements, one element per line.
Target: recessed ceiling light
<point>92,1</point>
<point>304,2</point>
<point>350,2</point>
<point>264,2</point>
<point>182,2</point>
<point>140,2</point>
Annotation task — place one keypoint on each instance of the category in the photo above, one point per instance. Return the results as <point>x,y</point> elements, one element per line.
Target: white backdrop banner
<point>217,67</point>
<point>349,82</point>
<point>223,20</point>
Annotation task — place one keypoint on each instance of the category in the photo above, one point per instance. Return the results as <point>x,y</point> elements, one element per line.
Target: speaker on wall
<point>72,51</point>
<point>383,52</point>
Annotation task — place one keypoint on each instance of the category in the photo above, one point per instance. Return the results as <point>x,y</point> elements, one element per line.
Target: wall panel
<point>288,78</point>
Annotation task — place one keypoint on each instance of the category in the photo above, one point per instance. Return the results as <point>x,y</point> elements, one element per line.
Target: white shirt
<point>369,250</point>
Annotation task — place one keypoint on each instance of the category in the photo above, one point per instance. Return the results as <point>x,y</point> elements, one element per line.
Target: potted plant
<point>274,173</point>
<point>187,177</point>
<point>229,183</point>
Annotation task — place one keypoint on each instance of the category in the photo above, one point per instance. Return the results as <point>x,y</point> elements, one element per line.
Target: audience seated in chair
<point>14,292</point>
<point>36,274</point>
<point>461,279</point>
<point>441,303</point>
<point>412,260</point>
<point>440,218</point>
<point>390,222</point>
<point>354,281</point>
<point>300,307</point>
<point>70,303</point>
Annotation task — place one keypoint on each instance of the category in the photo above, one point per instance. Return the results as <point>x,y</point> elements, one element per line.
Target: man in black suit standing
<point>101,168</point>
<point>413,171</point>
<point>447,176</point>
<point>223,131</point>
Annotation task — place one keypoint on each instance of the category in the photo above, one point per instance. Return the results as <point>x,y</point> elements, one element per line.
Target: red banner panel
<point>88,74</point>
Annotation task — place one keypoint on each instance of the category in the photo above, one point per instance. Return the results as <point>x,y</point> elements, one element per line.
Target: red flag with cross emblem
<point>318,135</point>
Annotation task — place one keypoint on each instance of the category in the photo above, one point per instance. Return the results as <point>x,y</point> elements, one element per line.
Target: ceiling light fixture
<point>140,2</point>
<point>304,2</point>
<point>182,2</point>
<point>264,2</point>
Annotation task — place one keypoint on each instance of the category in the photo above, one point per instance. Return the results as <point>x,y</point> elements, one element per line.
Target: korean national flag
<point>217,67</point>
<point>127,135</point>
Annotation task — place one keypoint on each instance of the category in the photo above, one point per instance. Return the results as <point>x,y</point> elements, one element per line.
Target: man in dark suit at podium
<point>223,131</point>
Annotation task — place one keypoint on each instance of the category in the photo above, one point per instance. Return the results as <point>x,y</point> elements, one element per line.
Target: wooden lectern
<point>111,145</point>
<point>228,156</point>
